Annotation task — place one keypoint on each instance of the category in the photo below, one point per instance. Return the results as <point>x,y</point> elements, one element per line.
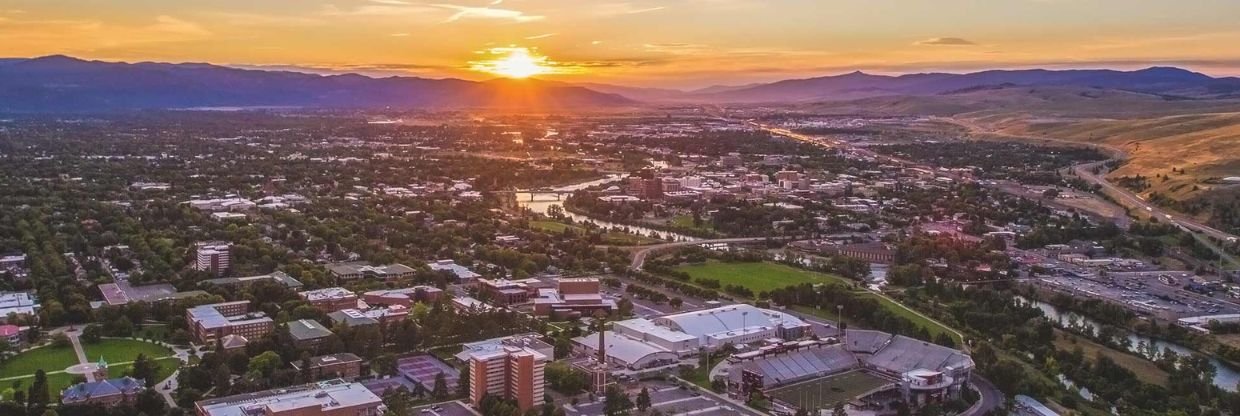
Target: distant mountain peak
<point>58,83</point>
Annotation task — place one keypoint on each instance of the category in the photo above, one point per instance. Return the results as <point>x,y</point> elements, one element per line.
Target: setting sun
<point>513,62</point>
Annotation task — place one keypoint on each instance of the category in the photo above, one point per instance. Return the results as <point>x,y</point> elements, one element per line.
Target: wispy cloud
<point>675,48</point>
<point>487,12</point>
<point>624,8</point>
<point>949,41</point>
<point>542,36</point>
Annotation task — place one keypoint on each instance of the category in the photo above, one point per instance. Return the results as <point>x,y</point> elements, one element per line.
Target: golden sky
<point>665,43</point>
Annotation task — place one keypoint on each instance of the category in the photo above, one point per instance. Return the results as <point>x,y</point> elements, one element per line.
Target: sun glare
<point>513,62</point>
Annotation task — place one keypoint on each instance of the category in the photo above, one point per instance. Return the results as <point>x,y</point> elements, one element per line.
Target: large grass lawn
<point>55,384</point>
<point>686,222</point>
<point>166,367</point>
<point>124,350</point>
<point>555,227</point>
<point>757,276</point>
<point>46,358</point>
<point>616,238</point>
<point>933,327</point>
<point>1145,370</point>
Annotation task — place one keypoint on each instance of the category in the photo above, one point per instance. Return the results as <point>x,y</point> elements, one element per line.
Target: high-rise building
<point>214,257</point>
<point>509,372</point>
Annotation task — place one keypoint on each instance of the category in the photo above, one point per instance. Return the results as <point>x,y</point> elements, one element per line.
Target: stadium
<point>866,368</point>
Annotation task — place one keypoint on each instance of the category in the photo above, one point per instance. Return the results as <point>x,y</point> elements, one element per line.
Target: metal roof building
<point>735,324</point>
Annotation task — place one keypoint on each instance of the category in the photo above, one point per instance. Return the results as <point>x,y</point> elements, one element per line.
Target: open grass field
<point>55,383</point>
<point>826,392</point>
<point>46,358</point>
<point>1145,370</point>
<point>555,227</point>
<point>758,277</point>
<point>166,367</point>
<point>934,328</point>
<point>124,350</point>
<point>686,222</point>
<point>611,237</point>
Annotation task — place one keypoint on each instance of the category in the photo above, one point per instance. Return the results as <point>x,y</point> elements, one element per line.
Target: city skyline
<point>679,44</point>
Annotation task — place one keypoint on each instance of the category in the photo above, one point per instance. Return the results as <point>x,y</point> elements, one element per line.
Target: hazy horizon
<point>672,44</point>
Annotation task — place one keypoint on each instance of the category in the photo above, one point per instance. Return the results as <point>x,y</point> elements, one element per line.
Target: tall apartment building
<point>214,257</point>
<point>207,323</point>
<point>511,372</point>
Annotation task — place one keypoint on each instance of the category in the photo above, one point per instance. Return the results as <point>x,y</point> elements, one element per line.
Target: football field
<point>824,393</point>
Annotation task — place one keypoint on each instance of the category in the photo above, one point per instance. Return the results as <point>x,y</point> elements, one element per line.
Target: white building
<point>17,303</point>
<point>735,324</point>
<point>335,397</point>
<point>460,271</point>
<point>214,257</point>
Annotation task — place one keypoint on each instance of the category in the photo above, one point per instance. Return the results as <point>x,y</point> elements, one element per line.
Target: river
<point>1225,377</point>
<point>539,202</point>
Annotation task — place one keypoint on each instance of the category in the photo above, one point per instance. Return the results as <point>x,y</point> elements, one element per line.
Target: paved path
<point>81,353</point>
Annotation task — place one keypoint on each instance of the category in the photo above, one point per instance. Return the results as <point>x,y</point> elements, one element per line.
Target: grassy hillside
<point>1200,139</point>
<point>1202,146</point>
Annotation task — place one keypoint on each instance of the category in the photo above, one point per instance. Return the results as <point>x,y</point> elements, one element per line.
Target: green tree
<point>462,384</point>
<point>91,334</point>
<point>839,410</point>
<point>440,390</point>
<point>37,395</point>
<point>265,363</point>
<point>616,402</point>
<point>145,369</point>
<point>643,400</point>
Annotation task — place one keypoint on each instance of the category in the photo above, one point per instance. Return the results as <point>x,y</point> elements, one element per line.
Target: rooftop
<point>729,319</point>
<point>306,329</point>
<point>324,395</point>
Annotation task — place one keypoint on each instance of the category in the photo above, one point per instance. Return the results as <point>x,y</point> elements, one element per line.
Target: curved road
<point>991,398</point>
<point>639,256</point>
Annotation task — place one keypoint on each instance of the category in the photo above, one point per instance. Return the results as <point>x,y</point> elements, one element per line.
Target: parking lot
<point>1143,293</point>
<point>669,400</point>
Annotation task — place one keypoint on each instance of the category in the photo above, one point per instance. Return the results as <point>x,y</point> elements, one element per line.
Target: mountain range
<point>64,84</point>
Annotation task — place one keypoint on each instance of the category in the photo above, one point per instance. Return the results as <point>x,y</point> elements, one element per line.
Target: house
<point>15,335</point>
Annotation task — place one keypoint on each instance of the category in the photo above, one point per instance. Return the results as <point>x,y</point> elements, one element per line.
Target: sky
<point>655,43</point>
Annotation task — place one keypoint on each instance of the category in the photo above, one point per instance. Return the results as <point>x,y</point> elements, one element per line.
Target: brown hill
<point>1158,133</point>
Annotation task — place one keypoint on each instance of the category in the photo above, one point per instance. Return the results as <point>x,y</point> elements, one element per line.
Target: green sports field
<point>824,393</point>
<point>757,276</point>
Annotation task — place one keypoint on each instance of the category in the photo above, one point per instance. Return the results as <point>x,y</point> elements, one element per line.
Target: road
<point>1124,197</point>
<point>639,256</point>
<point>991,398</point>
